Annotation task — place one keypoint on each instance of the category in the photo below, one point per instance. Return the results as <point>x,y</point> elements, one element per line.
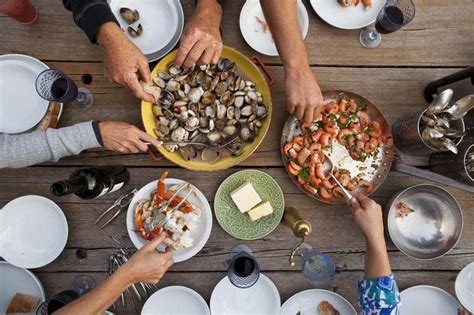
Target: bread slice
<point>346,3</point>
<point>326,308</point>
<point>22,303</point>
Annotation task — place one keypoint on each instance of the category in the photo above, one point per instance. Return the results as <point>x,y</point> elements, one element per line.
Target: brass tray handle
<point>300,227</point>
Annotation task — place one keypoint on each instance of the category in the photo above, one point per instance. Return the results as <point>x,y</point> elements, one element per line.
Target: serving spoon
<point>329,166</point>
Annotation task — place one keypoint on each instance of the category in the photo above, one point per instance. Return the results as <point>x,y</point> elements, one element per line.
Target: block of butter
<point>245,197</point>
<point>260,211</point>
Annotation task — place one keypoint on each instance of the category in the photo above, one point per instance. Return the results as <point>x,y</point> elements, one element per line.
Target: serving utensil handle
<point>259,63</point>
<point>300,227</point>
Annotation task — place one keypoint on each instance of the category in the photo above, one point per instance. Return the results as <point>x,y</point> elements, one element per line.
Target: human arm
<point>201,42</point>
<point>40,146</point>
<point>378,291</point>
<point>147,265</point>
<point>89,15</point>
<point>303,93</point>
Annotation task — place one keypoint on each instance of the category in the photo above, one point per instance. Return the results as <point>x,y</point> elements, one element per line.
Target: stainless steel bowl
<point>434,227</point>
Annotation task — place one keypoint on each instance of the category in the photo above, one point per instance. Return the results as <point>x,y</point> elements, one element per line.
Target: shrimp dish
<point>168,210</point>
<point>347,134</point>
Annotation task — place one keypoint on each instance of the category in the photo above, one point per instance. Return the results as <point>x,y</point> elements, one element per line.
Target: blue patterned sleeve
<point>379,296</point>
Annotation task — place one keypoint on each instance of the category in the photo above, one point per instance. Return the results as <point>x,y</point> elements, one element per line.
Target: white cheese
<point>260,211</point>
<point>245,197</point>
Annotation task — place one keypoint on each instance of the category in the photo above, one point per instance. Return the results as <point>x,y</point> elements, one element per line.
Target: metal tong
<point>121,203</point>
<point>162,215</point>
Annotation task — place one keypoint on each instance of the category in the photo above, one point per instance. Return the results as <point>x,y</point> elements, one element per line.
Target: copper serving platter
<point>291,128</point>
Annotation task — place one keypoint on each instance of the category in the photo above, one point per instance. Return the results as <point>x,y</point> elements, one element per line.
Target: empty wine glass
<point>242,268</point>
<point>54,86</point>
<point>83,284</point>
<point>393,16</point>
<point>318,268</point>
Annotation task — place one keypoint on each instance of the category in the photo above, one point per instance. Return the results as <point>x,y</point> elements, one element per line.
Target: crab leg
<point>160,189</point>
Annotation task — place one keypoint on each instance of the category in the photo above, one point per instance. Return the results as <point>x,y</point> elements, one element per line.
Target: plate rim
<point>318,290</point>
<point>265,278</point>
<point>457,285</point>
<point>32,275</point>
<point>62,218</point>
<point>206,207</point>
<point>314,6</point>
<point>219,192</point>
<point>431,287</point>
<point>247,5</point>
<point>32,61</point>
<point>181,288</point>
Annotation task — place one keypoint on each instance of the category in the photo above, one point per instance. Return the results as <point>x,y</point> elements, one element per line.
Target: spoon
<point>449,132</point>
<point>434,133</point>
<point>459,109</point>
<point>328,163</point>
<point>439,103</point>
<point>449,144</point>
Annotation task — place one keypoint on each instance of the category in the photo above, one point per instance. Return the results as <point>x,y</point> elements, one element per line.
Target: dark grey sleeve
<point>89,15</point>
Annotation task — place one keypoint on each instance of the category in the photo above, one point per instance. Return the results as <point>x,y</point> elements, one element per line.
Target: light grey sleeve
<point>40,146</point>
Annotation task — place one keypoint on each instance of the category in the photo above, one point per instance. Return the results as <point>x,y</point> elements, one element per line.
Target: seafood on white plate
<point>210,104</point>
<point>168,210</point>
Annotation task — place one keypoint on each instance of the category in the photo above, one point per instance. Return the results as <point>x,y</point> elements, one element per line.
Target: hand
<point>124,62</point>
<point>368,216</point>
<point>201,42</point>
<point>124,138</point>
<point>148,265</point>
<point>303,93</point>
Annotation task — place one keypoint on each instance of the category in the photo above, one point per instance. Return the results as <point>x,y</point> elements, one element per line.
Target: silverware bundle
<point>436,122</point>
<point>141,290</point>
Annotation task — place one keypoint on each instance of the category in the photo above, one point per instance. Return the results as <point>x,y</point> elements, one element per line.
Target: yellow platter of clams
<point>252,124</point>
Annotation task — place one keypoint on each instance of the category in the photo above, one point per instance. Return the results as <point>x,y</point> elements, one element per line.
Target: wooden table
<point>438,42</point>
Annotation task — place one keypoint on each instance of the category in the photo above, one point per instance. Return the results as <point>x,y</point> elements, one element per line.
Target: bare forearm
<point>377,264</point>
<point>211,10</point>
<point>101,298</point>
<point>283,22</point>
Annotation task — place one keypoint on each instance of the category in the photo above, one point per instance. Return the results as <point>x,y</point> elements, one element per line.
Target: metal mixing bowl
<point>434,227</point>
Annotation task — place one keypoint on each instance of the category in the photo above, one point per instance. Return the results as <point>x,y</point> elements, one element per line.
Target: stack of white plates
<point>162,23</point>
<point>21,108</point>
<point>465,287</point>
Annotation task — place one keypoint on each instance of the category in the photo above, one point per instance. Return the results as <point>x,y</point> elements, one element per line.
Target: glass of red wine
<point>392,17</point>
<point>243,270</point>
<point>54,86</point>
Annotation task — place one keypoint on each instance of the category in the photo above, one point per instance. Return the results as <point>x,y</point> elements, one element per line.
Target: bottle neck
<point>69,186</point>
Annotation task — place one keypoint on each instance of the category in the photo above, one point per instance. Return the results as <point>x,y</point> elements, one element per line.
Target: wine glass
<point>393,16</point>
<point>242,268</point>
<point>83,284</point>
<point>57,301</point>
<point>54,86</point>
<point>318,268</point>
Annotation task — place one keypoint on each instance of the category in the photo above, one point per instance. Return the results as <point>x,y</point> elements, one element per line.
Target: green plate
<point>239,224</point>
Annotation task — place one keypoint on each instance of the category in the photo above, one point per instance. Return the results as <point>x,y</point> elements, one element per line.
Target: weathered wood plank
<point>427,41</point>
<point>288,284</point>
<point>346,248</point>
<point>398,92</point>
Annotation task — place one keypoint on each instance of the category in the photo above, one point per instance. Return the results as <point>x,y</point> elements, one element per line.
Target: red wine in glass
<point>393,16</point>
<point>60,87</point>
<point>391,21</point>
<point>244,266</point>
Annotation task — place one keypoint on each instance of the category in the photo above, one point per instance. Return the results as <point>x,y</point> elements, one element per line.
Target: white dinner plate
<point>175,300</point>
<point>307,303</point>
<point>465,287</point>
<point>162,22</point>
<point>435,301</point>
<point>348,18</point>
<point>260,299</point>
<point>253,32</point>
<point>200,233</point>
<point>34,231</point>
<point>17,280</point>
<point>21,108</point>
